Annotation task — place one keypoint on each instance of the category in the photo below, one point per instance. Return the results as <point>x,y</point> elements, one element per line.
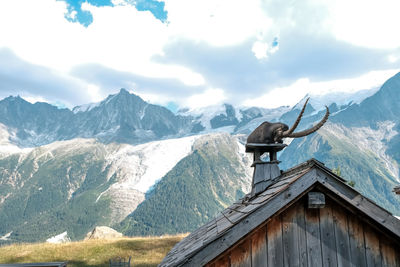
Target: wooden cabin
<point>305,216</point>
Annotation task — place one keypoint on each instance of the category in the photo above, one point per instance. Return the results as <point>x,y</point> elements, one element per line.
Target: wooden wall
<point>331,236</point>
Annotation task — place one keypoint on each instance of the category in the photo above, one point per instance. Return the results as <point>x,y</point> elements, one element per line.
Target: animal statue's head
<point>271,133</point>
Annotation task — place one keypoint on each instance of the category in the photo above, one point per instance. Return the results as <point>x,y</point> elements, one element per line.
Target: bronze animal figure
<point>274,132</point>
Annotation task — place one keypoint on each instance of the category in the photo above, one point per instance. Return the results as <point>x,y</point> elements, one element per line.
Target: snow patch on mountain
<point>375,140</point>
<point>141,166</point>
<point>138,168</point>
<point>205,114</point>
<point>6,147</point>
<point>246,159</point>
<point>61,238</point>
<point>318,102</point>
<point>6,237</point>
<point>143,112</point>
<point>85,107</point>
<point>270,115</point>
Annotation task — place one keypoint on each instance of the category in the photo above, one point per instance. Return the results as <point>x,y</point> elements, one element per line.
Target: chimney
<point>264,171</point>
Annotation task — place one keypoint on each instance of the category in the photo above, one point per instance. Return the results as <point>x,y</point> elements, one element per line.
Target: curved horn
<point>296,123</point>
<point>312,129</point>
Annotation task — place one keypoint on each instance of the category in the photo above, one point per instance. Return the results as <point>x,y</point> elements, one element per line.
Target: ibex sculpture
<point>272,133</point>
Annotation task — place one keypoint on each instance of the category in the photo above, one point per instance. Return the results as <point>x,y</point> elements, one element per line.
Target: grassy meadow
<point>145,251</point>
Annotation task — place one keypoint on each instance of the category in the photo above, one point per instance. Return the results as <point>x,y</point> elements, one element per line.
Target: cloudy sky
<point>195,52</point>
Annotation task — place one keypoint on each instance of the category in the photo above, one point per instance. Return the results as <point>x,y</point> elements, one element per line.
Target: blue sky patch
<point>85,17</point>
<point>275,42</point>
<point>155,7</point>
<point>172,106</point>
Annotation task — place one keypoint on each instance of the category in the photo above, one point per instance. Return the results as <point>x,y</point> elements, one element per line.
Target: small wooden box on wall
<point>316,200</point>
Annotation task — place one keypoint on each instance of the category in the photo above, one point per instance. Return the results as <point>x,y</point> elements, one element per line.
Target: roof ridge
<point>302,165</point>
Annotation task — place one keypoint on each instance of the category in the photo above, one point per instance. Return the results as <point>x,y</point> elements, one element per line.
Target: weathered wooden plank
<point>223,224</point>
<point>241,254</point>
<point>290,238</point>
<point>266,171</point>
<point>263,175</point>
<point>341,236</point>
<point>316,200</point>
<point>314,253</point>
<point>372,250</point>
<point>397,250</point>
<point>380,215</point>
<point>328,244</point>
<point>301,231</point>
<point>259,248</point>
<point>223,261</point>
<point>357,243</point>
<point>388,252</point>
<point>274,242</point>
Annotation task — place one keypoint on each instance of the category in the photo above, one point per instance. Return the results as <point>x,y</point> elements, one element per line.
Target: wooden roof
<point>236,221</point>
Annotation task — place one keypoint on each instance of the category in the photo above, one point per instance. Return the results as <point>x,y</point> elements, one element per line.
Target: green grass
<point>145,251</point>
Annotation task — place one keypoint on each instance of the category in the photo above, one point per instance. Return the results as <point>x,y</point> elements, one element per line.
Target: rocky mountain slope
<point>208,180</point>
<point>145,170</point>
<point>121,118</point>
<point>77,184</point>
<point>361,139</point>
<point>360,155</point>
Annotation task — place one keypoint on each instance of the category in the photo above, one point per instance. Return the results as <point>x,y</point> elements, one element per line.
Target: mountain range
<point>145,170</point>
<point>121,118</point>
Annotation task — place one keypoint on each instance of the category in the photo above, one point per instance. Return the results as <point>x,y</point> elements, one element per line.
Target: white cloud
<point>118,2</point>
<point>127,40</point>
<point>393,58</point>
<point>34,81</point>
<point>153,98</point>
<point>290,95</point>
<point>120,37</point>
<point>219,23</point>
<point>366,23</point>
<point>262,50</point>
<point>94,92</point>
<point>209,97</point>
<point>38,32</point>
<point>34,99</point>
<point>72,15</point>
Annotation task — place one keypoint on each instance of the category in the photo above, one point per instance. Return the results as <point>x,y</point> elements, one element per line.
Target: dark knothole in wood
<point>397,190</point>
<point>316,200</point>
